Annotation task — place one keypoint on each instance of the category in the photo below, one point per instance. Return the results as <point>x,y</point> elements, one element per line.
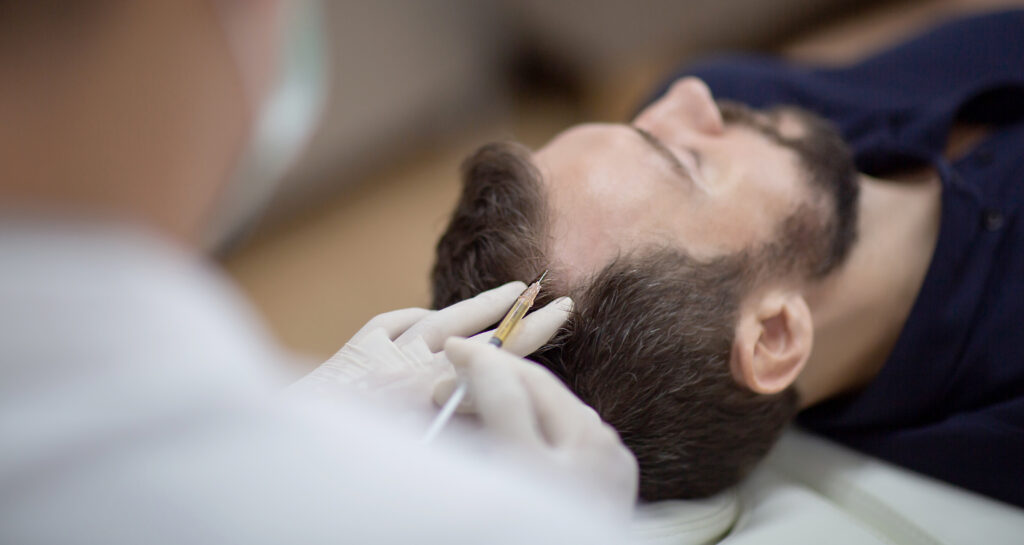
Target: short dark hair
<point>495,232</point>
<point>649,341</point>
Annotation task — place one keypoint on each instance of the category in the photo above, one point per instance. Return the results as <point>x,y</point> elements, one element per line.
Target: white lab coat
<point>139,403</point>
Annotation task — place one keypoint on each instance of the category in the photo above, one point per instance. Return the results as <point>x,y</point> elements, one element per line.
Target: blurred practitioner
<point>139,396</point>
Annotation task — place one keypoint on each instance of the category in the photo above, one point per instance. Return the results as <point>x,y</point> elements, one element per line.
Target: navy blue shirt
<point>949,401</point>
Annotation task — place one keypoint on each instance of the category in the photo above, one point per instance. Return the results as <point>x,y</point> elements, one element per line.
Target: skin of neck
<point>859,311</point>
<point>136,116</point>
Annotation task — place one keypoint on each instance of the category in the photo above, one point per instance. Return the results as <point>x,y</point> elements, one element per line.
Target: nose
<point>688,103</point>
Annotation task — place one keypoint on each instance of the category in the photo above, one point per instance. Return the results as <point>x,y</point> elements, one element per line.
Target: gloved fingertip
<point>519,284</point>
<point>460,351</point>
<point>443,390</point>
<point>515,287</point>
<point>564,303</point>
<point>457,349</point>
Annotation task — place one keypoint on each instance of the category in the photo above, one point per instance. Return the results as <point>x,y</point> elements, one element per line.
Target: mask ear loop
<point>284,123</point>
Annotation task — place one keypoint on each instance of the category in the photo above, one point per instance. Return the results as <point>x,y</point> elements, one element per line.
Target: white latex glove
<point>398,353</point>
<point>526,404</point>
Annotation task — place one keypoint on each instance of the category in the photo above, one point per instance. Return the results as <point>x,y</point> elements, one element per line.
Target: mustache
<point>766,121</point>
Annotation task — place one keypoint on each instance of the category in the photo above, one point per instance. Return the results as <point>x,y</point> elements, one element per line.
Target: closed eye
<point>661,149</point>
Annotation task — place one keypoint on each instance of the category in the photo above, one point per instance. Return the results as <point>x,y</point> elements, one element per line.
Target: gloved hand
<point>398,354</point>
<point>525,403</point>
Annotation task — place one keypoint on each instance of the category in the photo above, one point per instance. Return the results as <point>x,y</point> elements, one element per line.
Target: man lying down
<point>767,238</point>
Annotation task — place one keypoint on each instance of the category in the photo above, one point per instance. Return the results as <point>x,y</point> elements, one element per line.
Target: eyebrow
<point>661,149</point>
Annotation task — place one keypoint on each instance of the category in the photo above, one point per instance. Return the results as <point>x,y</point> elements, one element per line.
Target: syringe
<point>508,324</point>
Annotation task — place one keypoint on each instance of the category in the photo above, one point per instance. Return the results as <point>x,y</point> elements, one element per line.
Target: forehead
<point>601,189</point>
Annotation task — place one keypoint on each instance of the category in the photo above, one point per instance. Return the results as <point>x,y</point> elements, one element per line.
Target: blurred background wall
<point>416,85</point>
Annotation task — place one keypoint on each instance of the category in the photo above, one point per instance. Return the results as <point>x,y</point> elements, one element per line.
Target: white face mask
<point>284,124</point>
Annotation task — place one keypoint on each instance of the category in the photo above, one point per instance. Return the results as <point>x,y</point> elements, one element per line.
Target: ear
<point>773,341</point>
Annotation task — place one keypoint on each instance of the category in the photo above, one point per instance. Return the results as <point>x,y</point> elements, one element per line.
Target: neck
<point>859,310</point>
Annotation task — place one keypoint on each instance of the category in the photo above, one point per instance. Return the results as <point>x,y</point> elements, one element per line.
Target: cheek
<point>723,229</point>
<point>746,206</point>
<point>592,233</point>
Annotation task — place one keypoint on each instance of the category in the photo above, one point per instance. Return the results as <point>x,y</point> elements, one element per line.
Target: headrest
<point>686,522</point>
